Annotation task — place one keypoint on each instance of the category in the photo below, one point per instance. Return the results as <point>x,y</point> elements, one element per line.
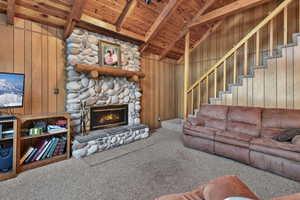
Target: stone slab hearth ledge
<point>100,140</point>
<point>96,71</point>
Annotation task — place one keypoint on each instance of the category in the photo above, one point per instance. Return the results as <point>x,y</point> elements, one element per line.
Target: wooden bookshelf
<point>10,141</point>
<point>24,142</point>
<point>41,163</point>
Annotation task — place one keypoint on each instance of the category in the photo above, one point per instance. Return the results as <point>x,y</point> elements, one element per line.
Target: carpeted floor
<point>139,171</point>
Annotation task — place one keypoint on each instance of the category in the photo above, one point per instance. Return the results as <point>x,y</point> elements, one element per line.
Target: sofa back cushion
<point>245,120</point>
<point>216,123</point>
<point>248,115</point>
<point>213,112</point>
<point>280,118</point>
<point>244,128</point>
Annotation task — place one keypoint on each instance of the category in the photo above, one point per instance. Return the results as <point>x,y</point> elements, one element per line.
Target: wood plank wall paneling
<point>252,93</point>
<point>159,97</point>
<point>38,51</point>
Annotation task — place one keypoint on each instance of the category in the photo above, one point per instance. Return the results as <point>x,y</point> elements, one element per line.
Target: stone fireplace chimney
<point>82,47</point>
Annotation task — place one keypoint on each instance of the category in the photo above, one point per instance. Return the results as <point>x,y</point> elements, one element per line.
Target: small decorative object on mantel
<point>109,54</point>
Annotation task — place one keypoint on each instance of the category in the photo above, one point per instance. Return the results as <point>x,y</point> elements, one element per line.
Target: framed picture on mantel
<point>109,54</point>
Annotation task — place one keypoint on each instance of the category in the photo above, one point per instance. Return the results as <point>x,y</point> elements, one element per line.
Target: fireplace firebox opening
<point>108,116</point>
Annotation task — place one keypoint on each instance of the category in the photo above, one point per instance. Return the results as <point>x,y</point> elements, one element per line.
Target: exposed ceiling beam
<point>211,30</point>
<point>131,4</point>
<point>160,21</point>
<point>186,29</point>
<point>110,27</point>
<point>102,31</point>
<point>39,17</point>
<point>227,10</point>
<point>74,17</point>
<point>43,8</point>
<point>10,11</point>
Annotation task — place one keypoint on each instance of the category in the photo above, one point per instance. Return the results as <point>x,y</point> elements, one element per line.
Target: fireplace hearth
<point>108,116</point>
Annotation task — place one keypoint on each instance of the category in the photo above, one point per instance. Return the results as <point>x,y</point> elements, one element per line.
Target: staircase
<point>246,83</point>
<point>256,82</point>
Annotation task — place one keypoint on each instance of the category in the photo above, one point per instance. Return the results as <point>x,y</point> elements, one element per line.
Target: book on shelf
<point>40,147</point>
<point>28,152</point>
<point>45,149</point>
<point>61,146</point>
<point>29,158</point>
<point>53,147</point>
<point>56,129</point>
<point>48,148</point>
<point>0,130</point>
<point>10,131</point>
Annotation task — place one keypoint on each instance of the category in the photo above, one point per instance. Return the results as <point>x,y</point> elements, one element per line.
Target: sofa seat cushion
<point>201,131</point>
<point>272,147</point>
<point>233,138</point>
<point>244,128</point>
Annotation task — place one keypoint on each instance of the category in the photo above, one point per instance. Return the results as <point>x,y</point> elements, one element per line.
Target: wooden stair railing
<point>255,32</point>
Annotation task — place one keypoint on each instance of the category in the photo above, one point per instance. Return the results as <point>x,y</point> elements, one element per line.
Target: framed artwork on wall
<point>109,54</point>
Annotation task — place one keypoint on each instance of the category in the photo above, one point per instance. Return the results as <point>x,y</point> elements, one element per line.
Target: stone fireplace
<point>108,116</point>
<point>82,47</point>
<point>112,104</point>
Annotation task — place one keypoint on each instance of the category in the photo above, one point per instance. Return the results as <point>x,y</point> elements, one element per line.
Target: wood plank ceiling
<point>158,27</point>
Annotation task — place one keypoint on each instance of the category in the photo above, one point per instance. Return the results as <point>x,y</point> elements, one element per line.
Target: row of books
<point>45,149</point>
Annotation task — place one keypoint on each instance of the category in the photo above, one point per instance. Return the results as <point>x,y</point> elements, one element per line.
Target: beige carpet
<point>139,171</point>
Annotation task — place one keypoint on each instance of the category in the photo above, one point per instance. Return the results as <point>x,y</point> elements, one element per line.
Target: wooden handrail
<point>270,17</point>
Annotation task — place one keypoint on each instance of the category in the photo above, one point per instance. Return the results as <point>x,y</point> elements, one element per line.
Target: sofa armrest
<point>227,186</point>
<point>195,121</point>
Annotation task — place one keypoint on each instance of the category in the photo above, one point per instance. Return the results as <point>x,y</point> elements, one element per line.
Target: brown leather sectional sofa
<point>245,134</point>
<point>221,188</point>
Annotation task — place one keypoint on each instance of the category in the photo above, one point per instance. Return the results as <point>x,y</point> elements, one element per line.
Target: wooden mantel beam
<point>96,71</point>
<point>160,21</point>
<point>10,11</point>
<point>230,9</point>
<point>74,17</point>
<point>186,29</point>
<point>131,4</point>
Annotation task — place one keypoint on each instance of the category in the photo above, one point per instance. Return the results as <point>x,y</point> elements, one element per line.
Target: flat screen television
<point>11,90</point>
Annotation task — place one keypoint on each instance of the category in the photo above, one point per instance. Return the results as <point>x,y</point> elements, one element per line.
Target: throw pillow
<point>296,140</point>
<point>287,135</point>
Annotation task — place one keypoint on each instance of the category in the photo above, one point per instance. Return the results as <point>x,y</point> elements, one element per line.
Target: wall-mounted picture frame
<point>109,54</point>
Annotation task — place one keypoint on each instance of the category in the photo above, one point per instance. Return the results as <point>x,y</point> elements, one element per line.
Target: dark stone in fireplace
<point>108,116</point>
